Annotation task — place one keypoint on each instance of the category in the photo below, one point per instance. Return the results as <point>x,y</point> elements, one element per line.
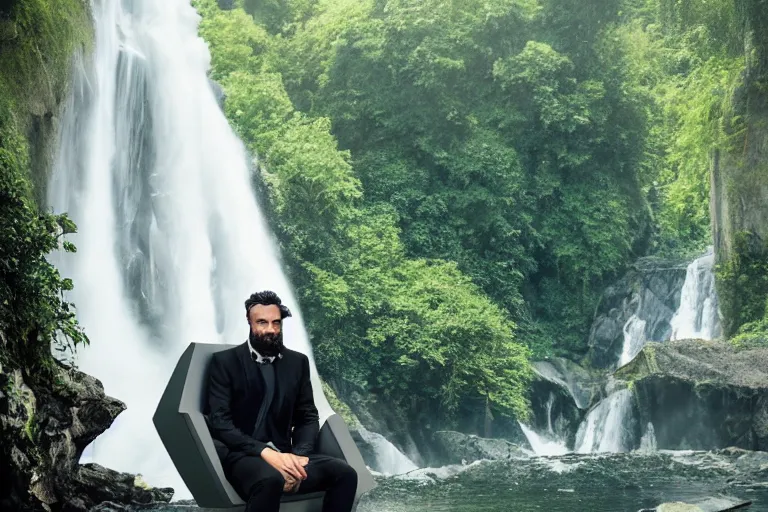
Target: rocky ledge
<point>44,430</point>
<point>701,394</point>
<point>457,448</point>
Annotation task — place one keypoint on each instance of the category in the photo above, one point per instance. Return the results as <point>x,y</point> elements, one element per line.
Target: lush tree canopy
<point>454,183</point>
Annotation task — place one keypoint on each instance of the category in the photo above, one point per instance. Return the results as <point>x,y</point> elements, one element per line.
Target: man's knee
<point>347,473</point>
<point>272,482</point>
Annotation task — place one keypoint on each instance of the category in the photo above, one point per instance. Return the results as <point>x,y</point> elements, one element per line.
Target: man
<point>263,418</point>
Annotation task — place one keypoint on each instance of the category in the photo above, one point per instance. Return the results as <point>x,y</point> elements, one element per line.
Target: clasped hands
<point>289,465</point>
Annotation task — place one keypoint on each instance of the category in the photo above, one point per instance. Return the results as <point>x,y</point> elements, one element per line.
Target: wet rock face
<point>44,430</point>
<point>702,394</point>
<point>458,448</point>
<point>561,393</point>
<point>651,290</point>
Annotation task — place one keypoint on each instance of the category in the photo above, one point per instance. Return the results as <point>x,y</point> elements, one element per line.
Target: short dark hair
<point>266,298</point>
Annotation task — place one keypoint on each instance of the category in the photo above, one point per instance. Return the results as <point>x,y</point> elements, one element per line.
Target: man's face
<point>265,320</point>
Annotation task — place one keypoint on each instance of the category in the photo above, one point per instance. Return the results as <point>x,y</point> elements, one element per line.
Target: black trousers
<point>261,486</point>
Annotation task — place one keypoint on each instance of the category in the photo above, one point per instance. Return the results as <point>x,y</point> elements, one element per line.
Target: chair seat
<point>183,430</point>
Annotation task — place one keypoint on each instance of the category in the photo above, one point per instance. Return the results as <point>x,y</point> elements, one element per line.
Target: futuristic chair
<point>180,422</point>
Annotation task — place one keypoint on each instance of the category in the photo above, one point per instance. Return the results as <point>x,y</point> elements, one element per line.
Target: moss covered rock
<point>44,431</point>
<point>39,42</point>
<point>701,394</point>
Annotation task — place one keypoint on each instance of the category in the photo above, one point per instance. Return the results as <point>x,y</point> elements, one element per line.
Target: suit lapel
<point>252,381</point>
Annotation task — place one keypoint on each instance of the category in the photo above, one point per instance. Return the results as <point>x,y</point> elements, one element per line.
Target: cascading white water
<point>546,443</point>
<point>603,430</point>
<point>171,240</point>
<point>697,316</point>
<point>389,460</point>
<point>648,440</point>
<point>542,445</point>
<point>634,339</point>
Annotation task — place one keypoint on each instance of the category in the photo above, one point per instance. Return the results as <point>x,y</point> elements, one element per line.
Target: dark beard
<point>268,345</point>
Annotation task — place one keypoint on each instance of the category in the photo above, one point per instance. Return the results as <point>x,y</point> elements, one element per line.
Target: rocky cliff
<point>43,432</point>
<point>650,291</point>
<point>739,185</point>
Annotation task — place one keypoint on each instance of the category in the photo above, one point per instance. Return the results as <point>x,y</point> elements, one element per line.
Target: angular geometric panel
<point>182,428</point>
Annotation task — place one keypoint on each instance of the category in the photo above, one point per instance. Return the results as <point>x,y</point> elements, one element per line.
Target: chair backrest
<point>181,425</point>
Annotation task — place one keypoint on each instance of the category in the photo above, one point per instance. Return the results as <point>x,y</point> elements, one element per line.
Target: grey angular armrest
<point>182,428</point>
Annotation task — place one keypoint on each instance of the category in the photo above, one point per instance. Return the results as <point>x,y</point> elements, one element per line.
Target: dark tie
<point>268,374</point>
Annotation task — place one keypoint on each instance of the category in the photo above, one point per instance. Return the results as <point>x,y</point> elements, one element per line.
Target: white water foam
<point>634,339</point>
<point>542,445</point>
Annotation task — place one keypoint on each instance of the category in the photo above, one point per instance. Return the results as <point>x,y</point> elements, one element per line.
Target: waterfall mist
<point>171,240</point>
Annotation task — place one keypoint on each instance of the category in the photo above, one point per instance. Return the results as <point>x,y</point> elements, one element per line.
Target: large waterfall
<point>171,241</point>
<point>604,428</point>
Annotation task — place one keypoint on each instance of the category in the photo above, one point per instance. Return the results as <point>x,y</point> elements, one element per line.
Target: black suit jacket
<point>233,404</point>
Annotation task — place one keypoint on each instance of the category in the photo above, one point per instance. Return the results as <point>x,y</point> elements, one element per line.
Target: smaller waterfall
<point>697,316</point>
<point>550,403</point>
<point>648,441</point>
<point>389,460</point>
<point>634,338</point>
<point>604,428</point>
<point>541,445</point>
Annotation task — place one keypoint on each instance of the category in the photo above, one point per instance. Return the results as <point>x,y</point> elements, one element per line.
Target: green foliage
<point>742,288</point>
<point>378,319</point>
<point>685,58</point>
<point>478,136</point>
<point>504,158</point>
<point>235,42</point>
<point>33,313</point>
<point>39,39</point>
<point>278,15</point>
<point>340,407</point>
<point>697,106</point>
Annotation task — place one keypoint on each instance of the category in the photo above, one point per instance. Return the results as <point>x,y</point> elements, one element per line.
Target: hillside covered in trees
<point>454,183</point>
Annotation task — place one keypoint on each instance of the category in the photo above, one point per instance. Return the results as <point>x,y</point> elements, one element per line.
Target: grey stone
<point>457,448</point>
<point>44,428</point>
<point>702,394</point>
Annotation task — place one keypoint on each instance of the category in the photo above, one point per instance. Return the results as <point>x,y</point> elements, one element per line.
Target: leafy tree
<point>33,313</point>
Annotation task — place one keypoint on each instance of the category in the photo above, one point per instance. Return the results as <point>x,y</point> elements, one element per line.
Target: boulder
<point>708,504</point>
<point>561,392</point>
<point>701,394</point>
<point>581,384</point>
<point>458,448</point>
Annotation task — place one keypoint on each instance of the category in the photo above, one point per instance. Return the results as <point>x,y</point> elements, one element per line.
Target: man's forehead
<point>270,311</point>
